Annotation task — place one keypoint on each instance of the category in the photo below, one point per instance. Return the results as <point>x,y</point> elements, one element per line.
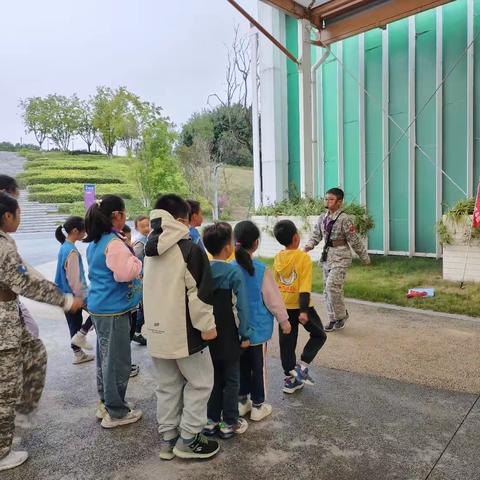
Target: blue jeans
<point>224,396</point>
<point>113,362</point>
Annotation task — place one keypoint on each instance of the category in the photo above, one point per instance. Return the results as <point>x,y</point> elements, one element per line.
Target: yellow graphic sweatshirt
<point>293,273</point>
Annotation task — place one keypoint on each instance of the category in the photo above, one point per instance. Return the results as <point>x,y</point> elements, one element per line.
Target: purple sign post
<point>88,196</point>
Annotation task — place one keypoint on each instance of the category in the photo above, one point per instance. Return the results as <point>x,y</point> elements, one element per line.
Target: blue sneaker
<point>291,384</point>
<point>302,375</point>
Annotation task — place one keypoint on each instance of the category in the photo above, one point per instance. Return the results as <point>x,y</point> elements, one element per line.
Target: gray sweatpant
<point>184,387</point>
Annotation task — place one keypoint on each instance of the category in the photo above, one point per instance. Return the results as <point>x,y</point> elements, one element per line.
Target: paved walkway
<point>349,426</point>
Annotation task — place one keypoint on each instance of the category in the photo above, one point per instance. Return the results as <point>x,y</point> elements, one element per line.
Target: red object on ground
<point>476,212</point>
<point>416,294</point>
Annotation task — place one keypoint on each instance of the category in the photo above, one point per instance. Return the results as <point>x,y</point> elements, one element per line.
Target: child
<point>264,301</point>
<point>114,293</point>
<point>9,185</point>
<point>23,358</point>
<point>230,309</point>
<point>293,274</point>
<point>70,278</point>
<point>142,226</point>
<point>126,236</point>
<point>195,219</point>
<point>177,295</point>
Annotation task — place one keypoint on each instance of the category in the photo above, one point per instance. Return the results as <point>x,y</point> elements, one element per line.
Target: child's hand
<point>77,304</point>
<point>245,344</point>
<point>303,318</point>
<point>286,327</point>
<point>307,248</point>
<point>209,334</point>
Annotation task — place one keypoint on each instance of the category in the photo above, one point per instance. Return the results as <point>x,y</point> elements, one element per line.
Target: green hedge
<point>73,192</point>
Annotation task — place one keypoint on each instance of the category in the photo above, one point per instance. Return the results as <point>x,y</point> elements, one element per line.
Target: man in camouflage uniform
<point>23,358</point>
<point>338,231</point>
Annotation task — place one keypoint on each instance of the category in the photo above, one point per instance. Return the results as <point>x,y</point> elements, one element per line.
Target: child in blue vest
<point>265,302</point>
<point>70,278</point>
<point>114,292</point>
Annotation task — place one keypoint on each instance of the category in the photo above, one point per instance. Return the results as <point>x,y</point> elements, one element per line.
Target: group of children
<point>206,323</point>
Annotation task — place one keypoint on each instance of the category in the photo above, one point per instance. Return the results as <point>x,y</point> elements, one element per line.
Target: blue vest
<point>107,296</point>
<point>61,274</point>
<point>261,320</point>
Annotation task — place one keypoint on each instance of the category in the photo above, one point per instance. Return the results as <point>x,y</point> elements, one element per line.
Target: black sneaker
<point>330,327</point>
<point>134,370</point>
<point>339,324</point>
<point>199,447</point>
<point>140,339</point>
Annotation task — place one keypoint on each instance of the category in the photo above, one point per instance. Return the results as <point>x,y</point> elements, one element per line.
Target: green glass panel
<point>425,78</point>
<point>351,143</point>
<point>293,107</point>
<point>373,136</point>
<point>330,121</point>
<point>454,100</point>
<point>398,143</point>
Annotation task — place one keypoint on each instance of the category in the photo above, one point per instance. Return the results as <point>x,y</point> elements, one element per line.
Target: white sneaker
<point>16,441</point>
<point>101,411</point>
<point>12,460</point>
<point>131,417</point>
<point>80,341</point>
<point>82,357</point>
<point>244,407</point>
<point>259,413</point>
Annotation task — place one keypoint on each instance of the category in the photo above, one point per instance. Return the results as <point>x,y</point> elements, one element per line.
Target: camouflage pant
<point>22,372</point>
<point>333,281</point>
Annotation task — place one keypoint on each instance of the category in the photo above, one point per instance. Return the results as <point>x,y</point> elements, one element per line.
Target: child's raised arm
<point>122,262</point>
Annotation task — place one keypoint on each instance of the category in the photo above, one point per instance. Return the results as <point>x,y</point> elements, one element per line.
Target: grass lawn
<point>55,177</point>
<point>388,279</point>
<point>240,188</point>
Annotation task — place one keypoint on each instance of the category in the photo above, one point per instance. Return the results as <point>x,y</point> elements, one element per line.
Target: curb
<point>398,308</point>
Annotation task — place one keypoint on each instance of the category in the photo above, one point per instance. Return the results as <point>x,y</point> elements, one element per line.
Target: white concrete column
<point>273,107</point>
<point>305,101</point>
<point>385,141</point>
<point>411,135</point>
<point>470,98</point>
<point>439,124</point>
<point>257,167</point>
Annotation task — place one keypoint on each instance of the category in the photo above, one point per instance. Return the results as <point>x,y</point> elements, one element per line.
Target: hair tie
<point>238,244</point>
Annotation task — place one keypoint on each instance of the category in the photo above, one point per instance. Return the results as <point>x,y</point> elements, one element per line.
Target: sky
<point>168,52</point>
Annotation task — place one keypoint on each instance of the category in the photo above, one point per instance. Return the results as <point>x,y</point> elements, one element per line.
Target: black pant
<point>251,374</point>
<point>288,343</point>
<point>75,321</point>
<point>224,396</point>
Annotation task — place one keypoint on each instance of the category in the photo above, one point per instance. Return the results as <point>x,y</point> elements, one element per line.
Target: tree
<point>86,130</point>
<point>156,169</point>
<point>64,119</point>
<point>36,117</point>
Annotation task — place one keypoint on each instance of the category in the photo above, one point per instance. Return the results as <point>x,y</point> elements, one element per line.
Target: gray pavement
<point>347,426</point>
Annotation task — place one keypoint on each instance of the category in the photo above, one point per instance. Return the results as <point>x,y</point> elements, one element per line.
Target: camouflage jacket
<point>17,277</point>
<point>343,229</point>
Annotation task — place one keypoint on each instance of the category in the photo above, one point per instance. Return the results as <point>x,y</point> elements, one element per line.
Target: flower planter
<point>455,253</point>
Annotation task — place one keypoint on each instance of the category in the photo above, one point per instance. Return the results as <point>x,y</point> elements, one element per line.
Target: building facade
<point>392,108</point>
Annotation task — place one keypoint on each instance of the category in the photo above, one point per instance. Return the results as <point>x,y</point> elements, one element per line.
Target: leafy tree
<point>156,169</point>
<point>86,130</point>
<point>36,117</point>
<point>64,119</point>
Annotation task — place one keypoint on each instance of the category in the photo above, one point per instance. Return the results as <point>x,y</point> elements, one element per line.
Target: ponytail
<point>246,233</point>
<point>70,224</point>
<point>8,204</point>
<point>98,219</point>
